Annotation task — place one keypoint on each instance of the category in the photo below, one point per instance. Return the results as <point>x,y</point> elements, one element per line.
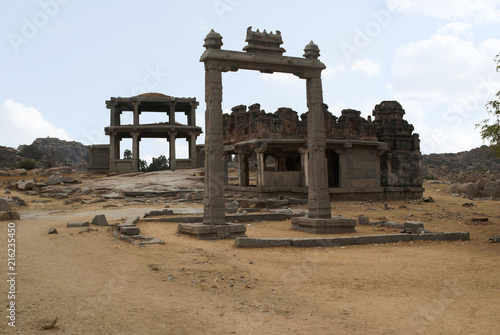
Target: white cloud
<point>443,82</point>
<point>441,68</point>
<point>457,29</point>
<point>281,78</point>
<point>22,125</point>
<point>330,71</point>
<point>370,68</point>
<point>475,10</point>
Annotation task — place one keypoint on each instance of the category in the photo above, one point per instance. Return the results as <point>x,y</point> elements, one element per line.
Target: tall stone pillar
<point>261,166</point>
<point>112,146</point>
<point>318,198</point>
<point>343,180</point>
<point>192,114</point>
<point>112,107</point>
<point>214,146</point>
<point>214,221</point>
<point>172,113</point>
<point>319,218</point>
<point>172,160</point>
<point>136,112</point>
<point>135,145</point>
<point>243,170</point>
<point>135,150</point>
<point>192,146</point>
<point>227,159</point>
<point>304,170</point>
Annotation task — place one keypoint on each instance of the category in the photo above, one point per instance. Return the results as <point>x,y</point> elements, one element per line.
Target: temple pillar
<point>318,196</point>
<point>192,145</point>
<point>135,145</point>
<point>304,170</point>
<point>213,210</point>
<point>227,159</point>
<point>191,117</point>
<point>261,166</point>
<point>343,181</point>
<point>172,161</point>
<point>243,170</point>
<point>136,112</point>
<point>171,116</point>
<point>112,146</point>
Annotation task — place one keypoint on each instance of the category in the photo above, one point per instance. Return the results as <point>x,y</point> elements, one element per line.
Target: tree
<point>491,131</point>
<point>30,151</point>
<point>127,154</point>
<point>143,166</point>
<point>27,164</point>
<point>158,164</point>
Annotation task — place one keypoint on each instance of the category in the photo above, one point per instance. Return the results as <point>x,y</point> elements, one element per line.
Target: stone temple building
<point>107,158</point>
<point>366,159</point>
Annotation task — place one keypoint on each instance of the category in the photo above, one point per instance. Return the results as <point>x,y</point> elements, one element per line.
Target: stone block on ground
<point>494,239</point>
<point>262,242</point>
<point>54,180</point>
<point>323,242</point>
<point>413,225</point>
<point>4,216</point>
<point>4,205</point>
<point>130,221</point>
<point>212,232</point>
<point>385,238</point>
<point>423,231</point>
<point>195,197</point>
<point>53,231</point>
<point>129,230</point>
<point>480,219</point>
<point>73,224</point>
<point>232,207</point>
<point>333,225</point>
<point>100,220</point>
<point>159,213</point>
<point>363,220</point>
<point>14,215</point>
<point>454,236</point>
<point>25,185</point>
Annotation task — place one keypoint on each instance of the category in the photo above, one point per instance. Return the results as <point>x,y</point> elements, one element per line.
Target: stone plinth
<point>333,225</point>
<point>213,232</point>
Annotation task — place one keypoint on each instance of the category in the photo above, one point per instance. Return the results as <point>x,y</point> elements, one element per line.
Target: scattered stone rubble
<point>6,212</point>
<point>126,231</point>
<point>482,188</point>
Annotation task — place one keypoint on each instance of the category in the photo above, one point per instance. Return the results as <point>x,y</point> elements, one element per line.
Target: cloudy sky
<point>61,59</point>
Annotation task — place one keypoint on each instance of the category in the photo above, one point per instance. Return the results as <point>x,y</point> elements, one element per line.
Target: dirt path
<point>93,284</point>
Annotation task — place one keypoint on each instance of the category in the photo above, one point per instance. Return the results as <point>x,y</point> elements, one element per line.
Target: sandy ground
<point>92,283</point>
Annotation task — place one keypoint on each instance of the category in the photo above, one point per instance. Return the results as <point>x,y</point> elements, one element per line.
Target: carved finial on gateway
<point>311,51</point>
<point>264,43</point>
<point>213,40</point>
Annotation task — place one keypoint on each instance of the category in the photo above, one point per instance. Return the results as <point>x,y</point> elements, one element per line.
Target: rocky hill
<point>462,166</point>
<point>9,157</point>
<point>69,152</point>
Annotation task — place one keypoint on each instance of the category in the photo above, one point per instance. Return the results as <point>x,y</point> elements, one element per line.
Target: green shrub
<point>27,164</point>
<point>30,151</point>
<point>158,164</point>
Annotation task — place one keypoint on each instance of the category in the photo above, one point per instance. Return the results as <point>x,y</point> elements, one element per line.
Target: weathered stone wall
<point>399,165</point>
<point>401,168</point>
<point>254,123</point>
<point>361,168</point>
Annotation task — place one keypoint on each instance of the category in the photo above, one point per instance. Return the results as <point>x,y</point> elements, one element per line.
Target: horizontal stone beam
<point>249,242</point>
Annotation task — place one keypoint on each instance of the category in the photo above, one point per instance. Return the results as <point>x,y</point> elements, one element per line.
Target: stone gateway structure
<point>262,53</point>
